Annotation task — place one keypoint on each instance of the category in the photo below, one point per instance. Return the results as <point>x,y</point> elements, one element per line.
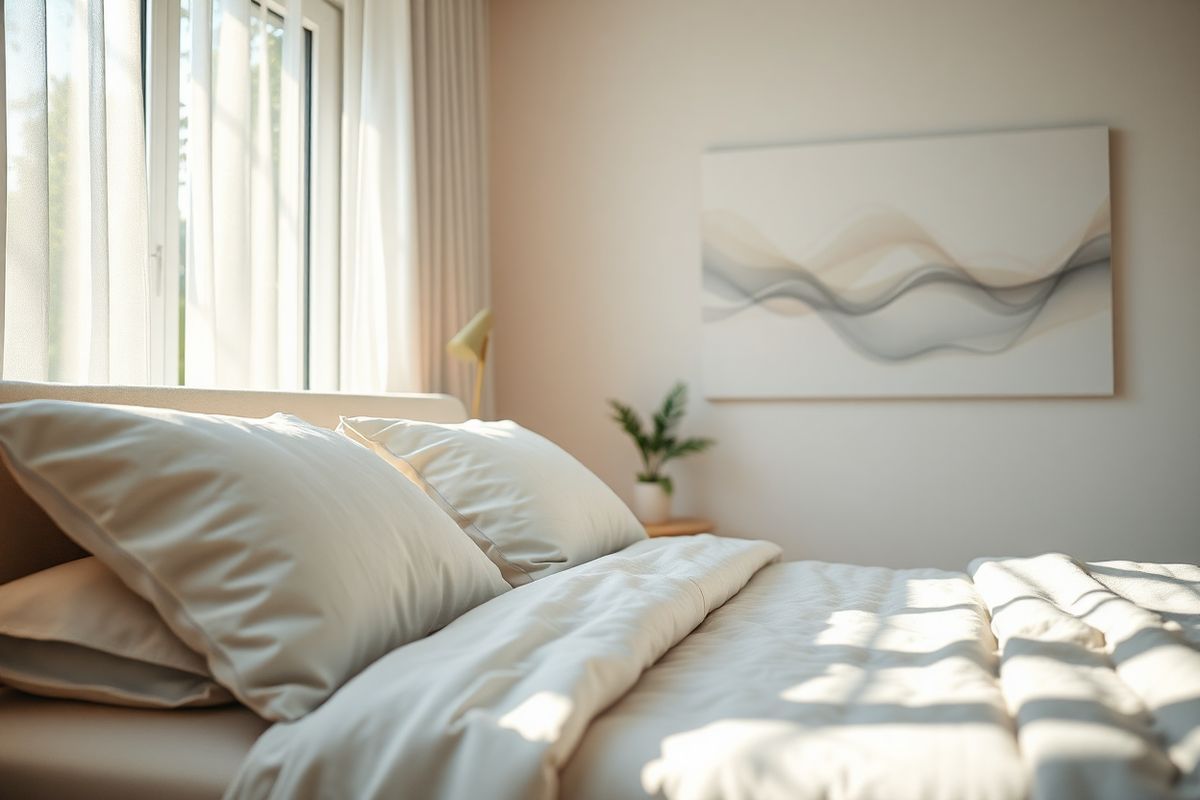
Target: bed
<point>690,667</point>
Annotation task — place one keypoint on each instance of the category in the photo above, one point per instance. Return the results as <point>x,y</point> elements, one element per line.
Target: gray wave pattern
<point>951,310</point>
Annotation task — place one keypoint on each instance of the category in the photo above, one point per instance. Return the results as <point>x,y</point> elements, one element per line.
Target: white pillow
<point>527,503</point>
<point>76,631</point>
<point>288,555</point>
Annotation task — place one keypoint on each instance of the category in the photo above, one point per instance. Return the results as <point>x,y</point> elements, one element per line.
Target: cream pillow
<point>525,501</point>
<point>289,556</point>
<point>76,631</point>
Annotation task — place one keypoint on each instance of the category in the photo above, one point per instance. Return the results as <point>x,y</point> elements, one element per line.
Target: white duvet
<point>492,705</point>
<point>817,681</point>
<point>1041,677</point>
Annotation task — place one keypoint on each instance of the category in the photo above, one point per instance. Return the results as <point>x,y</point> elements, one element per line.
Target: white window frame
<point>321,282</point>
<point>162,160</point>
<point>326,20</point>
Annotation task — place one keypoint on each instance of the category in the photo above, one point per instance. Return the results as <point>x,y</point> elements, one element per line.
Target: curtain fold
<point>76,279</point>
<point>245,223</point>
<point>27,234</point>
<point>200,339</point>
<point>379,349</point>
<point>264,216</point>
<point>230,181</point>
<point>290,210</point>
<point>415,266</point>
<point>450,90</point>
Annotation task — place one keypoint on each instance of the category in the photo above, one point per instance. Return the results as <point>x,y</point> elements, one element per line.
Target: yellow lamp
<point>470,344</point>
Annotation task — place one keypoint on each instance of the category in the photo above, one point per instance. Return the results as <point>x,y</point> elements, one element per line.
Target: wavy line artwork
<point>952,265</point>
<point>933,304</point>
<point>955,265</point>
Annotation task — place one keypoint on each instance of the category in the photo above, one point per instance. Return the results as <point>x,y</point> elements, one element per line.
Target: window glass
<point>38,157</point>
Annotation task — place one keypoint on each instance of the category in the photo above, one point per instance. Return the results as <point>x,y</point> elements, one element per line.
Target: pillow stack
<point>75,631</point>
<point>268,557</point>
<point>288,556</point>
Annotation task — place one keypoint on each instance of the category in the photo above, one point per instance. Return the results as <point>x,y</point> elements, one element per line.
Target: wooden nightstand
<point>681,527</point>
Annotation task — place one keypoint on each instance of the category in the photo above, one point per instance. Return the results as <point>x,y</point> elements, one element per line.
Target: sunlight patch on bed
<point>695,755</point>
<point>931,591</point>
<point>919,635</point>
<point>540,718</point>
<point>755,757</point>
<point>1091,740</point>
<point>848,627</point>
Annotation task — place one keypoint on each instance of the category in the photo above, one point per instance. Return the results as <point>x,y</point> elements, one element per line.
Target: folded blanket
<point>1106,693</point>
<point>1170,590</point>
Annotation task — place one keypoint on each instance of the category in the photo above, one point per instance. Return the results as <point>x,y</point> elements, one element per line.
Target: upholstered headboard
<point>29,541</point>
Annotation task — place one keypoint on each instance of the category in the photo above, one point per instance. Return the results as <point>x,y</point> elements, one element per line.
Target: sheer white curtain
<point>75,275</point>
<point>415,265</point>
<point>75,289</point>
<point>450,88</point>
<point>380,348</point>
<point>245,246</point>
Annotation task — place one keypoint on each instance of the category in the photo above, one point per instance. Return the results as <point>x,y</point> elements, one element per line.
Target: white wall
<point>599,113</point>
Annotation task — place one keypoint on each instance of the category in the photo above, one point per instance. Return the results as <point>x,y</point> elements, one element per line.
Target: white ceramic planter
<point>651,503</point>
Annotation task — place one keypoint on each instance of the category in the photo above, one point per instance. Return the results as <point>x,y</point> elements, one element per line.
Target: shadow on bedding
<point>815,679</point>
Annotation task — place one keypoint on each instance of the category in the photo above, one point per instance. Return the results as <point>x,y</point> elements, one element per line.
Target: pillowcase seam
<point>33,635</point>
<point>5,669</point>
<point>470,525</point>
<point>445,504</point>
<point>128,700</point>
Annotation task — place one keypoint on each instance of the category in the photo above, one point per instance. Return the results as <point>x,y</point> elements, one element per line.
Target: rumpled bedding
<point>1099,665</point>
<point>492,705</point>
<point>816,681</point>
<point>694,667</point>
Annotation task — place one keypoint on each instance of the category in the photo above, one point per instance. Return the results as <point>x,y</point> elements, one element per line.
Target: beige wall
<point>599,112</point>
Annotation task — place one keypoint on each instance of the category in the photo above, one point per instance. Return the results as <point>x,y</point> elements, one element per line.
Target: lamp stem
<point>478,397</point>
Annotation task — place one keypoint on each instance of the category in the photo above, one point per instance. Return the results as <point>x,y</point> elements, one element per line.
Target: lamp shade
<point>468,343</point>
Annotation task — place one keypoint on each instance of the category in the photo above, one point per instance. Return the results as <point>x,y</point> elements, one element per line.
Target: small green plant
<point>659,445</point>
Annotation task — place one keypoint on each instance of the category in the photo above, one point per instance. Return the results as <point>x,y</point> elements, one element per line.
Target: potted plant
<point>657,446</point>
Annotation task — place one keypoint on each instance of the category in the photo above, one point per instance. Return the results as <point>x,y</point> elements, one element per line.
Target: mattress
<point>61,748</point>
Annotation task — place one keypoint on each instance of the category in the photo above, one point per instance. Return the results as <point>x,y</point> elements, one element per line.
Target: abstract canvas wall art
<point>939,266</point>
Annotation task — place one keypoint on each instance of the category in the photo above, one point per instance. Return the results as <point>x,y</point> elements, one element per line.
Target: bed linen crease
<point>695,668</point>
<point>494,704</point>
<point>821,681</point>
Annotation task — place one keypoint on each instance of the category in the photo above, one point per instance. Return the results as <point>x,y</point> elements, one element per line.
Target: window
<point>172,89</point>
<point>213,261</point>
